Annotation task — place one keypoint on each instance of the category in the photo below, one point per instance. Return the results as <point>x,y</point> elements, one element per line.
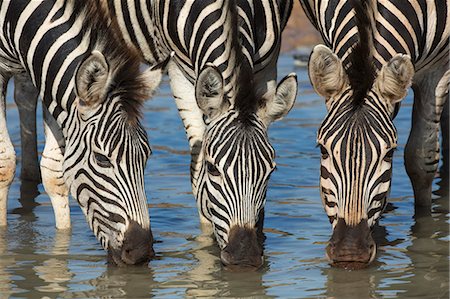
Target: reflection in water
<point>28,193</point>
<point>200,274</point>
<point>132,282</point>
<point>24,240</point>
<point>344,284</point>
<point>11,249</point>
<point>6,260</point>
<point>212,280</point>
<point>429,251</point>
<point>54,271</point>
<point>207,263</point>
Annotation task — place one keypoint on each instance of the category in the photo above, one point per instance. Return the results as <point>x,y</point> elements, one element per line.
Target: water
<point>37,261</point>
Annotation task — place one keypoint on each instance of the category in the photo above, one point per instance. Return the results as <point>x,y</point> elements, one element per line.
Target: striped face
<point>357,140</point>
<point>357,145</point>
<point>238,161</point>
<point>106,150</point>
<point>104,165</point>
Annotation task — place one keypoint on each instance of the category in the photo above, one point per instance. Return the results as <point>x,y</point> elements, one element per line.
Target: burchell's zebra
<point>363,78</point>
<point>223,77</point>
<point>92,91</point>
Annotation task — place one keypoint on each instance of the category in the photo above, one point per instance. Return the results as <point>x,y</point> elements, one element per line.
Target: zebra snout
<point>137,247</point>
<point>351,247</point>
<point>244,249</point>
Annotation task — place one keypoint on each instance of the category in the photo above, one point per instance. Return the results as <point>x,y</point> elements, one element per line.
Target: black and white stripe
<point>230,47</point>
<point>91,85</point>
<point>416,28</point>
<point>239,161</point>
<point>357,143</point>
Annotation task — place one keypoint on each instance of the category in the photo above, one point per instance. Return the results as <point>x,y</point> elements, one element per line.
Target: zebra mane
<point>124,62</point>
<point>361,68</point>
<point>246,101</point>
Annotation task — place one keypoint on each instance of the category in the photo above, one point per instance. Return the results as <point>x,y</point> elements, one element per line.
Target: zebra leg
<point>192,117</point>
<point>52,171</point>
<point>25,96</point>
<point>444,92</point>
<point>7,153</point>
<point>422,148</point>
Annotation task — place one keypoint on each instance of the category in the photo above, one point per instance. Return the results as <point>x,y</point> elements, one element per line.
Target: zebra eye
<point>102,160</point>
<point>212,169</point>
<point>389,155</point>
<point>324,152</point>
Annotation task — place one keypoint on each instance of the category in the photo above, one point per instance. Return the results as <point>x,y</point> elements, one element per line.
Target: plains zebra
<point>374,58</point>
<point>92,91</point>
<point>223,77</point>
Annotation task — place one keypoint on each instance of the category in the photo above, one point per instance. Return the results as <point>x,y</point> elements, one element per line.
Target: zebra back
<point>420,29</point>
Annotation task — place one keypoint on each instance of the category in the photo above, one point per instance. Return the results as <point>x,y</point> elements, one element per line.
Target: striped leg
<point>7,154</point>
<point>25,96</point>
<point>192,117</point>
<point>422,149</point>
<point>442,94</point>
<point>52,172</point>
<point>445,142</point>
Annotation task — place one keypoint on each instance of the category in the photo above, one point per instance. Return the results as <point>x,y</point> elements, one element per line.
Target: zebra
<point>374,51</point>
<point>92,90</point>
<point>223,78</point>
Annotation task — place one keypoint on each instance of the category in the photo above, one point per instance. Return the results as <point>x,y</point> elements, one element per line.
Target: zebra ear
<point>326,72</point>
<point>283,101</point>
<point>91,80</point>
<point>395,78</point>
<point>209,92</point>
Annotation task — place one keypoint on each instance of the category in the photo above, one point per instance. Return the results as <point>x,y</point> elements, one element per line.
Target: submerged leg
<point>7,154</point>
<point>25,96</point>
<point>52,171</point>
<point>442,91</point>
<point>422,149</point>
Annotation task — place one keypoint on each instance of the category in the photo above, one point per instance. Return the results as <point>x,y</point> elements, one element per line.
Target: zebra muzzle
<point>243,251</point>
<point>137,247</point>
<point>351,247</point>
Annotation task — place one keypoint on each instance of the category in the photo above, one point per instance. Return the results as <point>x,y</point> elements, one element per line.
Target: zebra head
<point>237,162</point>
<point>357,140</point>
<point>106,152</point>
